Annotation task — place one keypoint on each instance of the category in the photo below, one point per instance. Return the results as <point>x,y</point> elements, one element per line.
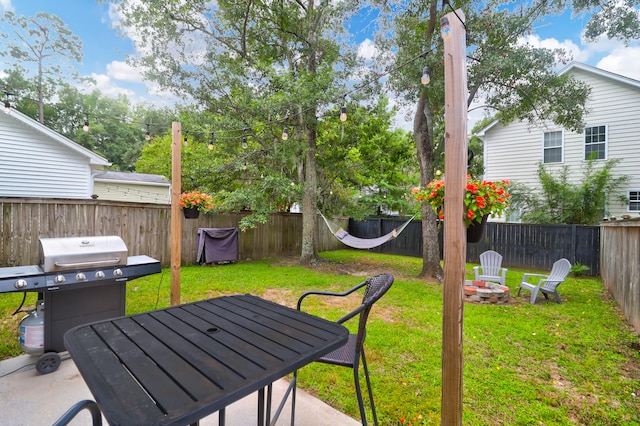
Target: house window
<point>634,201</point>
<point>595,143</point>
<point>552,147</point>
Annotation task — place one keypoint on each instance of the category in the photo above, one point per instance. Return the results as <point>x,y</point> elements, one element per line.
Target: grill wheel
<point>48,363</point>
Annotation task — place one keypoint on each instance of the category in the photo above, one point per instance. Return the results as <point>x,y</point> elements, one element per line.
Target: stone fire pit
<point>485,292</point>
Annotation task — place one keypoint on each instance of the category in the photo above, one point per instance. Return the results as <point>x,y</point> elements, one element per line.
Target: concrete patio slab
<point>28,398</point>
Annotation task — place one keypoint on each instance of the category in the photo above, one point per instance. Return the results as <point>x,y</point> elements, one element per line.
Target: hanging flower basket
<point>191,213</point>
<point>195,201</point>
<point>475,231</point>
<point>481,199</point>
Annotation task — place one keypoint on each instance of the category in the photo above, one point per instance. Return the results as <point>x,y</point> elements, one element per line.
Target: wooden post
<point>176,216</point>
<point>455,239</point>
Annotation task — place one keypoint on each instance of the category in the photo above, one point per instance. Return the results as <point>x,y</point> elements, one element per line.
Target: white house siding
<point>35,161</point>
<point>132,192</point>
<point>514,151</point>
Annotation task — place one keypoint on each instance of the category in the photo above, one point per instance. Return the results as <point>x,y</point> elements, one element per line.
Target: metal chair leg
<point>93,408</point>
<point>356,379</point>
<point>294,382</point>
<point>366,375</point>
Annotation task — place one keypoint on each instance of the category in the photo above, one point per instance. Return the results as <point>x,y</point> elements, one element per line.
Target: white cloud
<point>107,87</point>
<point>120,70</point>
<point>367,50</point>
<point>622,60</point>
<point>6,5</point>
<point>607,54</point>
<point>577,53</point>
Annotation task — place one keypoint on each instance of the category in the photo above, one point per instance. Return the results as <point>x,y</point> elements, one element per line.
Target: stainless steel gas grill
<point>80,280</point>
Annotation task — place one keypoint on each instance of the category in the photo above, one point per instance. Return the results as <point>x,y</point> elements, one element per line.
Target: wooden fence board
<point>620,253</point>
<point>145,229</point>
<point>521,245</point>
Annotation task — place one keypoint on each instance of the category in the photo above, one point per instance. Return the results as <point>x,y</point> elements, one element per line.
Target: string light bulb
<point>147,136</point>
<point>186,141</point>
<point>343,114</point>
<point>86,122</point>
<point>285,134</point>
<point>244,142</point>
<point>445,29</point>
<point>211,142</point>
<point>426,77</point>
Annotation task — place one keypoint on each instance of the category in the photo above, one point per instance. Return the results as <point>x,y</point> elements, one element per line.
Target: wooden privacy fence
<point>145,229</point>
<point>521,245</point>
<point>620,271</point>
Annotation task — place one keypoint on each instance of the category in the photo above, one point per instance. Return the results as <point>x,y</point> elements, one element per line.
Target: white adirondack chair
<point>547,284</point>
<point>490,268</point>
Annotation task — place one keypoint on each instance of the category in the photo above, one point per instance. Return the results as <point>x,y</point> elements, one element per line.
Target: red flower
<point>196,199</point>
<point>482,198</point>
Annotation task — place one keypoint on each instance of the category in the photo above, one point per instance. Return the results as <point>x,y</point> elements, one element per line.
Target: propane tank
<point>32,331</point>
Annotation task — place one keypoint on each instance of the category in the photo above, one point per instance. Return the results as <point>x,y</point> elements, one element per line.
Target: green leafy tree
<point>560,199</point>
<point>47,42</point>
<point>256,68</point>
<point>363,165</point>
<point>614,19</point>
<point>513,78</point>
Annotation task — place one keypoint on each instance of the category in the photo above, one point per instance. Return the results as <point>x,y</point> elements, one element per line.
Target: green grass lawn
<point>547,364</point>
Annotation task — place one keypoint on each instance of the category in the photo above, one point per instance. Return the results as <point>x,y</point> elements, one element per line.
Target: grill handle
<point>96,262</point>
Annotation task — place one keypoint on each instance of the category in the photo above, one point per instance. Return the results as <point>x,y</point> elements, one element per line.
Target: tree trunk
<point>423,134</point>
<point>309,252</point>
<point>309,216</point>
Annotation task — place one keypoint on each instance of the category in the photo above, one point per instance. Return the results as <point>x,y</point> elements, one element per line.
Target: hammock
<point>363,243</point>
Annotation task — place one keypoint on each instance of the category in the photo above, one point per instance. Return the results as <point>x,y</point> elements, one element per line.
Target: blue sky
<point>104,50</point>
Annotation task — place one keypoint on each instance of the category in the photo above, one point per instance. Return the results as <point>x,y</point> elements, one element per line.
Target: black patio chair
<point>350,354</point>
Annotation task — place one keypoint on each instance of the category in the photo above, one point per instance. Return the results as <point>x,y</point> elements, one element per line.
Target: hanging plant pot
<point>475,231</point>
<point>191,213</point>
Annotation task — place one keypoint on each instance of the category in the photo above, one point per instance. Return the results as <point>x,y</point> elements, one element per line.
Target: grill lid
<point>59,254</point>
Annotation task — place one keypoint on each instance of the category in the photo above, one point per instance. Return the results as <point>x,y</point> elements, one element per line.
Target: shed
<point>132,187</point>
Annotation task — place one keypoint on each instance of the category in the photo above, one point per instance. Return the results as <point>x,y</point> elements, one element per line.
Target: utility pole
<point>455,240</point>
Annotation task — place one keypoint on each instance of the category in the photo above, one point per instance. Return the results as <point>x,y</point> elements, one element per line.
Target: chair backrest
<point>376,287</point>
<point>559,272</point>
<point>490,262</point>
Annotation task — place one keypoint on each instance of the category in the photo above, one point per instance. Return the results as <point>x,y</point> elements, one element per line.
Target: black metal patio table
<point>177,365</point>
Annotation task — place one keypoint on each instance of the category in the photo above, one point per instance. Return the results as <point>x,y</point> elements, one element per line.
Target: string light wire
<point>242,133</point>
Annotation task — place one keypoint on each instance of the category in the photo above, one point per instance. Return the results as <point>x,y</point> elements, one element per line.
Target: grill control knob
<point>59,279</point>
<point>99,275</point>
<point>117,273</point>
<point>20,284</point>
<point>81,277</point>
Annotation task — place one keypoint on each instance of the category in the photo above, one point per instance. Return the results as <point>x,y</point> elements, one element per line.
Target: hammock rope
<point>363,243</point>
